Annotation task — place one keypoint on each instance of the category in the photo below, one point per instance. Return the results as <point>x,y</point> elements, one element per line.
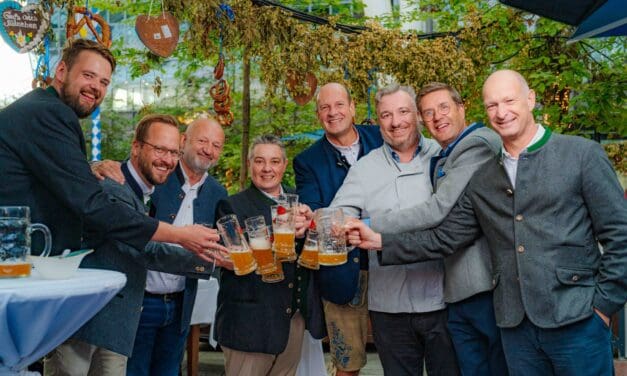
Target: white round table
<point>37,315</point>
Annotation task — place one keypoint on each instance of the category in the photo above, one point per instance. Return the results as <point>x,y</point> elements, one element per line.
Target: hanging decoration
<point>372,89</point>
<point>42,70</point>
<point>91,21</point>
<point>23,28</point>
<point>95,135</point>
<point>160,34</point>
<point>220,91</point>
<point>301,86</point>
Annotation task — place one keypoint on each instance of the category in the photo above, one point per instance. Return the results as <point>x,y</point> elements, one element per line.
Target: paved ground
<point>212,363</point>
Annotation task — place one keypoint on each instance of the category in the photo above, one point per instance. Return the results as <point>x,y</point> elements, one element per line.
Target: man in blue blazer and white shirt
<point>320,171</point>
<point>545,203</point>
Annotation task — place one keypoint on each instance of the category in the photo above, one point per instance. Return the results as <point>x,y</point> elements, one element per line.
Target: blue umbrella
<point>594,18</point>
<point>609,20</point>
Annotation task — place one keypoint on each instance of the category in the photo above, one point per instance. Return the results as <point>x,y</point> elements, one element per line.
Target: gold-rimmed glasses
<point>443,108</point>
<point>161,152</point>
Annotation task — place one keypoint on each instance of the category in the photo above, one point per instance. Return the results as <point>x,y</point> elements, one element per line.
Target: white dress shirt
<point>165,283</point>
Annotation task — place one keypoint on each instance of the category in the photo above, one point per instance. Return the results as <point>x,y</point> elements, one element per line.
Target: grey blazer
<point>467,272</point>
<point>544,235</point>
<point>115,326</point>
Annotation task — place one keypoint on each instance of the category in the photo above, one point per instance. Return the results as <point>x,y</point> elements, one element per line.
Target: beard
<point>145,169</point>
<point>197,164</point>
<point>74,101</point>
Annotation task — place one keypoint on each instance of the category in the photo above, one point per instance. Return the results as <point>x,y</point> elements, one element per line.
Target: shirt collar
<point>446,151</point>
<point>186,178</point>
<point>539,133</point>
<point>145,189</point>
<point>342,147</point>
<point>395,155</point>
<point>268,195</point>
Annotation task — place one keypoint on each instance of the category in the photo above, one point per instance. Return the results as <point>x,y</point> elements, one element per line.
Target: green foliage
<point>580,87</point>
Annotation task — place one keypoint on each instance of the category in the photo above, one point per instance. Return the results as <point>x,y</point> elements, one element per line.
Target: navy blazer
<point>320,171</point>
<point>167,200</point>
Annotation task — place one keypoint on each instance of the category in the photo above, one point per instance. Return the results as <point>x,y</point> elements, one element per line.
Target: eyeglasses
<point>162,152</point>
<point>443,109</point>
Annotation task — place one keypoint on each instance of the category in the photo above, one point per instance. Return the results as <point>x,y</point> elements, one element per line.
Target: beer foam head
<point>283,230</point>
<point>260,243</point>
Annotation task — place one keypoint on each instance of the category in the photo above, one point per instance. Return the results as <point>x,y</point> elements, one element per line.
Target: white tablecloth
<point>37,315</point>
<point>204,311</point>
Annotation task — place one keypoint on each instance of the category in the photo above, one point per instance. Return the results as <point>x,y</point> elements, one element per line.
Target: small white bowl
<point>58,267</point>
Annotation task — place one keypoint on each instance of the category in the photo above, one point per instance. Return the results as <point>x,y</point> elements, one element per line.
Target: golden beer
<point>262,251</point>
<point>332,259</point>
<point>243,262</point>
<point>309,258</point>
<point>11,270</point>
<point>284,245</point>
<point>276,276</point>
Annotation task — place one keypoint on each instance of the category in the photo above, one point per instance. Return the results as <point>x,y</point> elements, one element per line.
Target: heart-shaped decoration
<point>301,86</point>
<point>160,33</point>
<point>23,28</point>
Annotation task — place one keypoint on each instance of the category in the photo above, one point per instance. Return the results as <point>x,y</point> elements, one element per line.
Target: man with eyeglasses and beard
<point>189,195</point>
<point>103,344</point>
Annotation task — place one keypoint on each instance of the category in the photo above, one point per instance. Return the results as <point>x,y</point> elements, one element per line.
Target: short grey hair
<point>266,139</point>
<point>394,88</point>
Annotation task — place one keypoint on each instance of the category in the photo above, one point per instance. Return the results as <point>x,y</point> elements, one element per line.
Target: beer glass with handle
<point>259,241</point>
<point>233,238</point>
<point>331,236</point>
<point>15,230</point>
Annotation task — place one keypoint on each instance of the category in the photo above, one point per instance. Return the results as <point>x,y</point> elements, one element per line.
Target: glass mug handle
<point>47,237</point>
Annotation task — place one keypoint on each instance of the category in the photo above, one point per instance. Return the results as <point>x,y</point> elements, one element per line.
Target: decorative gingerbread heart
<point>23,28</point>
<point>306,81</point>
<point>160,33</point>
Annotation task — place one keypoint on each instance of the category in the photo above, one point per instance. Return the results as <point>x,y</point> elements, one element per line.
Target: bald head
<point>509,104</point>
<point>203,142</point>
<point>508,75</point>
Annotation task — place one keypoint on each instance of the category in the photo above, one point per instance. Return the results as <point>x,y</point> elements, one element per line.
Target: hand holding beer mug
<point>233,237</point>
<point>283,228</point>
<point>309,256</point>
<point>362,236</point>
<point>259,241</point>
<point>331,236</point>
<point>15,230</point>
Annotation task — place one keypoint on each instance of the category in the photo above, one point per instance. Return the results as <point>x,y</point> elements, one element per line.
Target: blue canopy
<point>609,20</point>
<point>594,18</point>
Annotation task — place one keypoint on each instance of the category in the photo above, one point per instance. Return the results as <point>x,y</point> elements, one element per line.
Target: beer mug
<point>15,230</point>
<point>331,236</point>
<point>284,228</point>
<point>276,275</point>
<point>233,238</point>
<point>259,241</point>
<point>309,256</point>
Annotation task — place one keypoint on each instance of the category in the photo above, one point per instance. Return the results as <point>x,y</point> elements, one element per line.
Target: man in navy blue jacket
<point>320,171</point>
